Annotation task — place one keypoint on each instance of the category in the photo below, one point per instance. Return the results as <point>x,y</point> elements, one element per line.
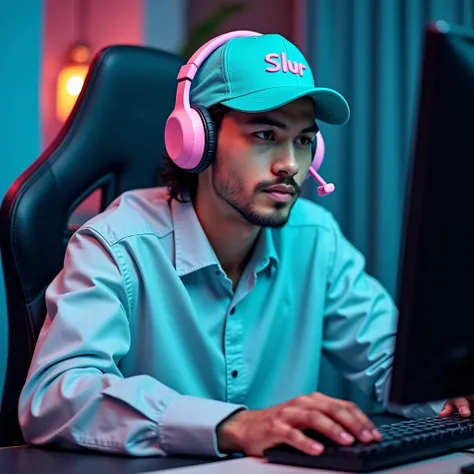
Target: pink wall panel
<point>105,22</point>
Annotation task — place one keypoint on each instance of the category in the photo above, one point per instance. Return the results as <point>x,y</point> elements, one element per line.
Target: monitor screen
<point>434,356</point>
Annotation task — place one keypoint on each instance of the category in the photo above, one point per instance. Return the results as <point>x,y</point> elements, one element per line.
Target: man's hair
<point>181,184</point>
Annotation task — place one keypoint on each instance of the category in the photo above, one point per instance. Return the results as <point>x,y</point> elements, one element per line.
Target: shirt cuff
<point>188,426</point>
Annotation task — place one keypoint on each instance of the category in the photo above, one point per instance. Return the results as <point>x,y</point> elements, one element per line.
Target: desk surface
<point>26,460</point>
<point>29,460</point>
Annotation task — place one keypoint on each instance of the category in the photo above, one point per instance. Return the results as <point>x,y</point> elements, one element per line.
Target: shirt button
<point>234,374</point>
<point>232,311</point>
<point>218,272</point>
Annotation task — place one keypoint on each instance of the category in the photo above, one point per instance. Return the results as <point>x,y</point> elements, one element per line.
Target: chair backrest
<point>112,141</point>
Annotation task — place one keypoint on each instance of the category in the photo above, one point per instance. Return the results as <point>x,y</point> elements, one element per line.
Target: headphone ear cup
<point>210,140</point>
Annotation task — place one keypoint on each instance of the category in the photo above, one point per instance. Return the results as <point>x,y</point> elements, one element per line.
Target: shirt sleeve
<point>75,395</point>
<point>360,327</point>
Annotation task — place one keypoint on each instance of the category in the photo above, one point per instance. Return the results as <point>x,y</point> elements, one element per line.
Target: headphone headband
<point>188,71</point>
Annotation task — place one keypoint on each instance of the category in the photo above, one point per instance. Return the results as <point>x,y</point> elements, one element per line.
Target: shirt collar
<point>265,252</point>
<point>193,250</point>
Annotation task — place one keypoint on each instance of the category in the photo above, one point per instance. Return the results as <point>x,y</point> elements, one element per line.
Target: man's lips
<point>281,188</point>
<point>280,192</point>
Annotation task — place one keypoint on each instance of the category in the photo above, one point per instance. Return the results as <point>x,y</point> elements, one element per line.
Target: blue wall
<point>165,24</point>
<point>20,134</point>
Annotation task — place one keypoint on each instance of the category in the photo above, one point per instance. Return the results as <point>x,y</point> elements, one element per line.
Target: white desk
<point>449,464</point>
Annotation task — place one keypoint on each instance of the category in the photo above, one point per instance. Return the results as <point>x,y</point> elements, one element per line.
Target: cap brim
<point>330,106</point>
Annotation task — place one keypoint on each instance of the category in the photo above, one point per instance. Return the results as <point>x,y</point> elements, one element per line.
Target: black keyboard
<point>402,442</point>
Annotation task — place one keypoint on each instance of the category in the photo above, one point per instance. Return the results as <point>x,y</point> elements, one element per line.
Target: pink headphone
<point>190,136</point>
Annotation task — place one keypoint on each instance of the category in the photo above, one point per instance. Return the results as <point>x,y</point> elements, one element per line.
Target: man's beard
<point>231,191</point>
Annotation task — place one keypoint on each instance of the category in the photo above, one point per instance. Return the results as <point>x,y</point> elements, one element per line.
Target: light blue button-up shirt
<point>146,348</point>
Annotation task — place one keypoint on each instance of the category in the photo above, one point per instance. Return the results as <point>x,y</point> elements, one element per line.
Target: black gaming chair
<point>112,141</point>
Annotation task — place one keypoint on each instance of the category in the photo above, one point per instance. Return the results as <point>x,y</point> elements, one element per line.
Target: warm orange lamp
<point>71,79</point>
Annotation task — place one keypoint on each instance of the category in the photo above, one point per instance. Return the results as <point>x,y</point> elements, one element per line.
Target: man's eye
<point>304,141</point>
<point>265,135</point>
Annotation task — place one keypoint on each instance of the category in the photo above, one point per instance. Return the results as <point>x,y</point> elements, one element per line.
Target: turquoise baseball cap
<point>262,73</point>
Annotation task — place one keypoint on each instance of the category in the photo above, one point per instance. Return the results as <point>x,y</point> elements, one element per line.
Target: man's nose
<point>286,164</point>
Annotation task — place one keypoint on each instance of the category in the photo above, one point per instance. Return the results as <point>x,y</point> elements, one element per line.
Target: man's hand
<point>253,431</point>
<point>461,405</point>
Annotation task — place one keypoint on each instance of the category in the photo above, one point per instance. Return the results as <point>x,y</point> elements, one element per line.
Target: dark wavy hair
<point>182,185</point>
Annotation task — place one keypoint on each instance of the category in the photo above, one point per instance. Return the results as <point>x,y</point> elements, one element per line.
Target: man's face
<point>262,160</point>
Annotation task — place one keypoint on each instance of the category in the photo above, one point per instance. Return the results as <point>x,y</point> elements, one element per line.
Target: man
<point>192,319</point>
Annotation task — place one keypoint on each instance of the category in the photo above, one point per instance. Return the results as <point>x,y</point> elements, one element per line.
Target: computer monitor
<point>434,356</point>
